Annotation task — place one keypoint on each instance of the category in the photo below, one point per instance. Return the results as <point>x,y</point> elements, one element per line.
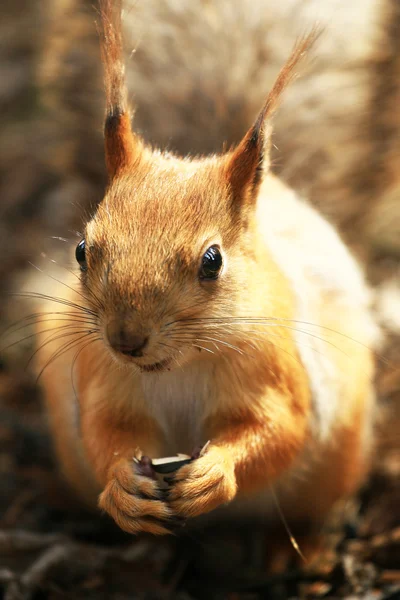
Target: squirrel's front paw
<point>203,484</point>
<point>134,501</point>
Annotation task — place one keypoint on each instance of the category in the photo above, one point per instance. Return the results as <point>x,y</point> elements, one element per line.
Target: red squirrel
<point>213,306</point>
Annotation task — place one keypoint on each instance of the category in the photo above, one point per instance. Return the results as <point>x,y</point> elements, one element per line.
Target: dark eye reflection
<point>80,255</point>
<point>211,263</point>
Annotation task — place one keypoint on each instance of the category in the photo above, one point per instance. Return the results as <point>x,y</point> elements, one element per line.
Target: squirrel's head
<point>171,245</point>
<point>172,250</point>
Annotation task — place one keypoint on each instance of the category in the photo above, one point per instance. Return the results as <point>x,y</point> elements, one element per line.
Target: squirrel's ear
<point>122,146</point>
<point>249,160</point>
<point>246,164</point>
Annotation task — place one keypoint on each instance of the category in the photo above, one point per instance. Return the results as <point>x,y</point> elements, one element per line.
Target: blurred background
<point>198,72</point>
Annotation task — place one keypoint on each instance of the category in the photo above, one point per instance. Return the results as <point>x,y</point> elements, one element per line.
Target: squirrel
<point>212,308</point>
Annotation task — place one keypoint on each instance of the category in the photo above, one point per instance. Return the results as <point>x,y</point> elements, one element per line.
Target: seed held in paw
<point>170,464</point>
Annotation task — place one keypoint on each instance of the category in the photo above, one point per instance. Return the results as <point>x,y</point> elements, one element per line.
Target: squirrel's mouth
<point>163,365</point>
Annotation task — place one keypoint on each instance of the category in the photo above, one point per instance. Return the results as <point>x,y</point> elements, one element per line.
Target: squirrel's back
<point>333,325</point>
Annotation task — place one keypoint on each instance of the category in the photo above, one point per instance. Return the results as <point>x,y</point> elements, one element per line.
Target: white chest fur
<point>179,401</point>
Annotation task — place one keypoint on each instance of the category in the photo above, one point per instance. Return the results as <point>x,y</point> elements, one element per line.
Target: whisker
<point>289,328</point>
<point>169,346</point>
<point>313,336</point>
<point>68,346</point>
<point>33,335</point>
<point>188,340</point>
<point>54,262</point>
<point>267,333</point>
<point>56,299</point>
<point>72,321</point>
<point>195,305</point>
<point>56,337</point>
<point>214,341</point>
<point>286,525</point>
<point>203,348</point>
<point>74,362</point>
<point>58,238</point>
<point>32,317</point>
<point>278,320</point>
<point>205,339</point>
<point>75,291</point>
<point>185,337</point>
<point>96,299</point>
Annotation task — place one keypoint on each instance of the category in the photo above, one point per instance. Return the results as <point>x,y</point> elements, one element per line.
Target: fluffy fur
<point>233,360</point>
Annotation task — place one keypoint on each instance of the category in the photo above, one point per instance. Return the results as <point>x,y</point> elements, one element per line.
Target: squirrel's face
<point>171,260</point>
<point>165,260</point>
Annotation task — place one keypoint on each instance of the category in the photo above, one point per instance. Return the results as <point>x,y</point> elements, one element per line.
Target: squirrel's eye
<point>211,263</point>
<point>80,255</point>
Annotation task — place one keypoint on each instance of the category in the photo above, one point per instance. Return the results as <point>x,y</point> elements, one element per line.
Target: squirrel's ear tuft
<point>122,146</point>
<point>247,163</point>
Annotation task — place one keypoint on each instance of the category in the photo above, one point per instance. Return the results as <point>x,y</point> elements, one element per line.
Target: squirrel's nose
<point>126,342</point>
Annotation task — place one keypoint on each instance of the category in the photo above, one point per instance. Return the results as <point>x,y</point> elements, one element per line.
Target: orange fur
<point>220,361</point>
<point>121,146</point>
